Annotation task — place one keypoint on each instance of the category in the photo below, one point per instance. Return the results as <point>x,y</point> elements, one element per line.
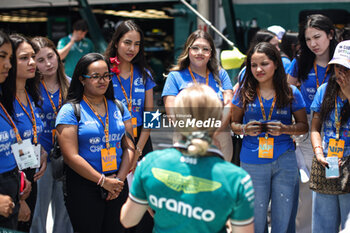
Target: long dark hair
<point>139,59</point>
<point>306,57</point>
<point>183,61</point>
<point>5,39</point>
<point>328,104</point>
<point>9,86</point>
<point>43,42</point>
<point>247,90</point>
<point>289,44</point>
<point>262,35</point>
<point>76,88</point>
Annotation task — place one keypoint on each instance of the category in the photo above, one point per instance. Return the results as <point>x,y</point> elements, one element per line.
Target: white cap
<point>278,30</point>
<point>342,54</point>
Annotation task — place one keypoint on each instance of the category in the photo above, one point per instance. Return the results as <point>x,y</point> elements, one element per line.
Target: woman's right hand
<point>6,205</point>
<point>252,128</point>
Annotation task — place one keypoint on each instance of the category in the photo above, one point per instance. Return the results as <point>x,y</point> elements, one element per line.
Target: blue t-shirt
<point>250,145</point>
<point>24,123</point>
<point>179,80</point>
<point>308,87</point>
<point>91,136</point>
<point>193,194</point>
<point>48,117</point>
<point>138,92</point>
<point>329,128</point>
<point>7,138</point>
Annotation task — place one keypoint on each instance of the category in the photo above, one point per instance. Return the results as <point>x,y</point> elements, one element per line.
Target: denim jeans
<point>50,190</point>
<point>278,182</point>
<point>329,211</point>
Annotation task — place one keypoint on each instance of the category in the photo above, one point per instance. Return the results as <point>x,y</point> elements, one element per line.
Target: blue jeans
<point>329,211</point>
<point>50,190</point>
<point>278,182</point>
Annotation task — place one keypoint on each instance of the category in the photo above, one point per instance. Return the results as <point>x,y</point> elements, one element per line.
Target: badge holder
<point>109,159</point>
<point>134,126</point>
<point>24,154</point>
<point>266,147</point>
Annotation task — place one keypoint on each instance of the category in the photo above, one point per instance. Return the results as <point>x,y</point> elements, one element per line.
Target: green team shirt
<point>193,194</point>
<point>78,50</point>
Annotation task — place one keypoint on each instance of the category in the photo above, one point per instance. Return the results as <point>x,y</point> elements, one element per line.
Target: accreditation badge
<point>266,147</point>
<point>24,154</point>
<point>37,152</point>
<point>335,148</point>
<point>109,159</point>
<point>134,126</point>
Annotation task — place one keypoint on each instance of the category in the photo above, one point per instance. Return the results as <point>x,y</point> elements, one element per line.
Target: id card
<point>266,148</point>
<point>37,152</point>
<point>24,154</point>
<point>134,126</point>
<point>336,148</point>
<point>333,170</point>
<point>109,159</point>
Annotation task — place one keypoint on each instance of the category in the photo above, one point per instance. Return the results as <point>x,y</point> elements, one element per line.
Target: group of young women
<point>97,116</point>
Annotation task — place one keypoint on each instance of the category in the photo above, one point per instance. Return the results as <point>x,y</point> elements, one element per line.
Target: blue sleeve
<point>149,83</point>
<point>286,64</point>
<point>170,86</point>
<point>66,116</point>
<point>298,102</point>
<point>225,80</point>
<point>126,115</point>
<point>236,101</point>
<point>318,98</point>
<point>293,68</point>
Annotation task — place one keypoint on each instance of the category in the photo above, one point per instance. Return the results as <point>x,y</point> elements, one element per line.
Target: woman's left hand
<point>43,165</point>
<point>275,128</point>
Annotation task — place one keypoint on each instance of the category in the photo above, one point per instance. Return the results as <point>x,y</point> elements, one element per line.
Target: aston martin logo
<point>187,184</point>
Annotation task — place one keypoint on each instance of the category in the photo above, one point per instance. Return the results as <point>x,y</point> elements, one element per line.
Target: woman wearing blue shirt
<point>309,70</point>
<point>198,64</point>
<point>331,206</point>
<point>132,81</point>
<point>22,97</point>
<point>53,87</point>
<point>263,108</point>
<point>9,176</point>
<point>95,149</point>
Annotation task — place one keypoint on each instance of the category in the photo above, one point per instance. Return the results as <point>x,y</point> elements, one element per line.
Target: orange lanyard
<point>128,100</point>
<point>262,107</point>
<point>325,75</point>
<point>194,79</point>
<point>32,118</point>
<point>10,121</point>
<point>106,126</point>
<point>51,101</point>
<point>337,120</point>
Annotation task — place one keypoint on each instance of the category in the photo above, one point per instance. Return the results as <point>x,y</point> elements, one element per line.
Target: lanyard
<point>194,79</point>
<point>336,119</point>
<point>128,100</point>
<point>51,101</point>
<point>325,75</point>
<point>10,121</point>
<point>263,110</point>
<point>32,118</point>
<point>106,126</point>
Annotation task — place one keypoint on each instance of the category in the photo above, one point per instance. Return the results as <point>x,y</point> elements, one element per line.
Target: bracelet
<point>320,147</point>
<point>99,181</point>
<point>243,130</point>
<point>139,150</point>
<point>103,181</point>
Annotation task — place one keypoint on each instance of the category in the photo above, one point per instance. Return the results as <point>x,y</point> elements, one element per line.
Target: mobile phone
<point>333,168</point>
